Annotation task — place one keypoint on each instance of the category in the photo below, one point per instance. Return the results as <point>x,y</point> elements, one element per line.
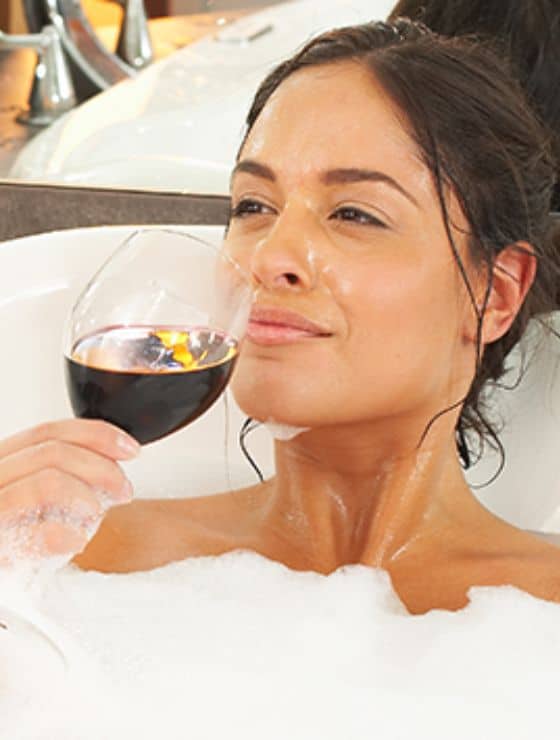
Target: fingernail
<point>127,445</point>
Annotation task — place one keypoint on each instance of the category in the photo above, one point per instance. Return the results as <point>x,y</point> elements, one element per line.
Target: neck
<point>341,496</point>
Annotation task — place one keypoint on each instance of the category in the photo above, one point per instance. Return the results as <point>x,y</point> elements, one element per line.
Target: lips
<point>269,325</point>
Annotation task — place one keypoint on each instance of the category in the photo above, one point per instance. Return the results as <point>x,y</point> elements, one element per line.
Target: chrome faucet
<point>52,92</point>
<point>134,44</point>
<point>93,67</point>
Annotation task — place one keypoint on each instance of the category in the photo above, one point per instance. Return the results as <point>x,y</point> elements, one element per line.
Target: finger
<point>34,498</point>
<point>98,436</point>
<point>95,470</point>
<point>49,513</point>
<point>48,539</point>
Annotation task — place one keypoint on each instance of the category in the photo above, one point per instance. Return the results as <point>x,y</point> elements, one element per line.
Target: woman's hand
<point>57,480</point>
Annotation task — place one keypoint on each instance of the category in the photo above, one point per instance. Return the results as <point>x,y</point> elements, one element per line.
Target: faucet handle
<point>52,91</point>
<point>135,44</point>
<point>35,41</point>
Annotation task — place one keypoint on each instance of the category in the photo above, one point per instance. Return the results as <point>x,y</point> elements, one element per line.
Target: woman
<point>527,31</point>
<point>390,201</point>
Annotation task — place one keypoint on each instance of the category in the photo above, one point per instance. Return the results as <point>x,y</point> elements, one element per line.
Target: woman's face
<point>360,311</point>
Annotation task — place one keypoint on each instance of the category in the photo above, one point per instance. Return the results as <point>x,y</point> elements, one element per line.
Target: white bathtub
<point>40,277</point>
<point>240,646</point>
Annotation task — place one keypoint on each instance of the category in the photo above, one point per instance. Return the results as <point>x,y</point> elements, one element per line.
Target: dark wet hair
<point>479,138</point>
<point>526,31</point>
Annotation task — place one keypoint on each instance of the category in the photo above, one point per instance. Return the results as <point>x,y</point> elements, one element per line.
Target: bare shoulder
<point>488,552</point>
<point>148,533</point>
<point>539,566</point>
<point>526,560</point>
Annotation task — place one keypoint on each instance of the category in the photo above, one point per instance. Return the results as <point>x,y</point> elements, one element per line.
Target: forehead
<point>329,116</point>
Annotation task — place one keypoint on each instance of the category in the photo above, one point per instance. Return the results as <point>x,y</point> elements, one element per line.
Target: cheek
<point>404,329</point>
<point>231,247</point>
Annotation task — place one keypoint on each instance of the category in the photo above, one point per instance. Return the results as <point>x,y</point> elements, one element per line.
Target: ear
<point>512,275</point>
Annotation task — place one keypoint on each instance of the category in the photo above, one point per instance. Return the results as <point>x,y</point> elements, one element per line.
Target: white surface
<point>178,125</point>
<point>527,492</point>
<point>41,276</point>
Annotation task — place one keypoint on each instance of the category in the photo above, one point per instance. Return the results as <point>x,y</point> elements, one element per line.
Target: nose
<point>284,259</point>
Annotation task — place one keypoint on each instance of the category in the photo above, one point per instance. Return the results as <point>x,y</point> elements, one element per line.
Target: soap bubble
<point>241,647</point>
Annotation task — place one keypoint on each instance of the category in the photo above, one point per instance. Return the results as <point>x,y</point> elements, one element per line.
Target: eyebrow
<point>353,174</point>
<point>251,167</point>
<point>339,176</point>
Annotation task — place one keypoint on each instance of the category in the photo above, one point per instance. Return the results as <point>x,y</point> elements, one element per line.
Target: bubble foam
<point>283,432</point>
<point>241,647</point>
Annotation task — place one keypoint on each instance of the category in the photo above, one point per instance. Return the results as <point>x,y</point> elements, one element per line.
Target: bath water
<point>241,647</point>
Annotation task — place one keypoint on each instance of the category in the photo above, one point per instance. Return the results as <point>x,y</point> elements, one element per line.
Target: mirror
<point>175,125</point>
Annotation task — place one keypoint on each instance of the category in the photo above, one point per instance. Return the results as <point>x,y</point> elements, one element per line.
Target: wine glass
<point>150,345</point>
<point>153,339</point>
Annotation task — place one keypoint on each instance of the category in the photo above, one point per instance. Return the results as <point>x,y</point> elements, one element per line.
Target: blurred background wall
<point>11,16</point>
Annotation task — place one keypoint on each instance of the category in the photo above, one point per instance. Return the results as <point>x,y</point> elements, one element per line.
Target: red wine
<point>149,381</point>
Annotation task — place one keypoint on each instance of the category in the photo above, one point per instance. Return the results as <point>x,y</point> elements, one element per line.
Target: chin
<point>270,410</point>
<point>268,402</point>
<point>295,393</point>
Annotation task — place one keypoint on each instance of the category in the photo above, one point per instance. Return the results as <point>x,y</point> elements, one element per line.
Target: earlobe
<point>512,276</point>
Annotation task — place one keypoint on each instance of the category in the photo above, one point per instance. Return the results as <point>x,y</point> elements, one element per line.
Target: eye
<point>248,207</point>
<point>357,215</point>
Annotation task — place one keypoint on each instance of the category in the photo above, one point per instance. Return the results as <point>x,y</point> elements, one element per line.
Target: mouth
<point>269,325</point>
